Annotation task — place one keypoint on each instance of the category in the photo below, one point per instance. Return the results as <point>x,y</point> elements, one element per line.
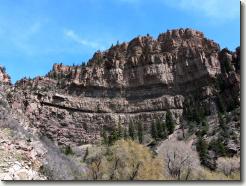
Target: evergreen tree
<point>140,132</point>
<point>153,130</point>
<point>218,147</point>
<point>114,136</point>
<point>110,140</point>
<point>228,66</point>
<point>125,134</point>
<point>131,131</point>
<point>224,127</point>
<point>220,83</point>
<point>104,137</point>
<point>187,110</point>
<point>202,148</point>
<point>221,121</point>
<point>169,122</point>
<point>191,127</point>
<point>204,128</point>
<point>159,127</point>
<point>221,104</point>
<point>119,131</point>
<point>68,150</point>
<point>86,154</point>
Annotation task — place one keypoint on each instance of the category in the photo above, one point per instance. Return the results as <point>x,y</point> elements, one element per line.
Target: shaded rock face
<point>21,154</point>
<point>135,81</point>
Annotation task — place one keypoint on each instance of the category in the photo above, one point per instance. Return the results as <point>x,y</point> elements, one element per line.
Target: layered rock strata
<point>135,81</point>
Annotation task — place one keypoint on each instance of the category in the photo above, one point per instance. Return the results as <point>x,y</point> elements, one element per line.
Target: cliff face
<point>135,81</point>
<point>173,61</point>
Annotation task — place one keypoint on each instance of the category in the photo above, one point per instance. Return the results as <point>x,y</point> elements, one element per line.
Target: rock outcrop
<point>21,154</point>
<point>135,81</point>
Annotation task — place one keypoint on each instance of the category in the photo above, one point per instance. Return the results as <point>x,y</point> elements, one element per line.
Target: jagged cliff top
<point>187,42</point>
<point>175,57</point>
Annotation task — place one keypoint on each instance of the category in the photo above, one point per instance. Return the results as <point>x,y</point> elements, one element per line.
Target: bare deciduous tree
<point>228,165</point>
<point>181,160</point>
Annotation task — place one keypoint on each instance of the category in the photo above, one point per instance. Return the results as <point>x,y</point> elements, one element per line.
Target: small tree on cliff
<point>131,131</point>
<point>169,122</point>
<point>153,130</point>
<point>161,129</point>
<point>104,136</point>
<point>228,66</point>
<point>140,132</point>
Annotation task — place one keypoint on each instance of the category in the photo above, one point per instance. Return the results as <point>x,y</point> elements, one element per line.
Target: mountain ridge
<point>181,72</point>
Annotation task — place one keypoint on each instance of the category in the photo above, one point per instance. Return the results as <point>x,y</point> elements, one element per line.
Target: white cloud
<point>76,38</point>
<point>215,9</point>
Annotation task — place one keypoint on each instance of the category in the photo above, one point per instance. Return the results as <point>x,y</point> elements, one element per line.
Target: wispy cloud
<point>215,9</point>
<point>78,39</point>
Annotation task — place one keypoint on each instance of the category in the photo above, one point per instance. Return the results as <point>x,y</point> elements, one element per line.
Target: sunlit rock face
<point>135,81</point>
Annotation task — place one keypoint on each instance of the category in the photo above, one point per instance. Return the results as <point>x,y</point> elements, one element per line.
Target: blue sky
<point>34,34</point>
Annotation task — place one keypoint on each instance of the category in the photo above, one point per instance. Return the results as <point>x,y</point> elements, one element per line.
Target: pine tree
<point>204,128</point>
<point>218,147</point>
<point>202,148</point>
<point>228,66</point>
<point>119,131</point>
<point>224,127</point>
<point>86,154</point>
<point>140,132</point>
<point>131,131</point>
<point>114,135</point>
<point>125,134</point>
<point>221,104</point>
<point>153,130</point>
<point>169,122</point>
<point>104,137</point>
<point>221,121</point>
<point>160,130</point>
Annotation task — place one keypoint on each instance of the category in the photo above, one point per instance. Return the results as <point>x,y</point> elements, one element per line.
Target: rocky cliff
<point>135,81</point>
